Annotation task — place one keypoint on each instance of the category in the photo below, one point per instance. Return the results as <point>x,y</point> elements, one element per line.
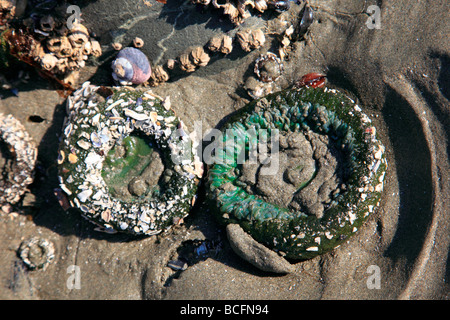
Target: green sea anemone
<point>328,176</point>
<point>126,161</point>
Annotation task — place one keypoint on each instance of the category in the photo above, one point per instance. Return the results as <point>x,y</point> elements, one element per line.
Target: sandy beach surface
<point>400,75</point>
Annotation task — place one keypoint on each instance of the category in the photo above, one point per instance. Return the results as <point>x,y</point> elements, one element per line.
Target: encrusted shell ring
<point>19,174</point>
<point>332,172</point>
<point>115,134</point>
<point>37,253</point>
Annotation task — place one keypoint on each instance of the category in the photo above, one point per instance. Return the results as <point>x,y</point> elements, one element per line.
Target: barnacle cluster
<point>320,193</point>
<point>47,41</point>
<point>222,43</point>
<point>196,57</point>
<point>63,51</point>
<point>239,10</point>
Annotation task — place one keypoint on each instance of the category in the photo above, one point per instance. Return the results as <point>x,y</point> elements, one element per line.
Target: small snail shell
<point>131,67</point>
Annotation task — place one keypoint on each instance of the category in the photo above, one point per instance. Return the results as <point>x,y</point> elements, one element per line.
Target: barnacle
<point>203,2</point>
<point>326,203</point>
<point>60,46</point>
<point>229,9</point>
<point>7,11</point>
<point>250,39</point>
<point>159,76</point>
<point>138,42</point>
<point>96,49</point>
<point>131,165</point>
<point>261,5</point>
<point>199,57</point>
<point>47,23</point>
<point>268,67</point>
<point>242,8</point>
<point>222,43</point>
<point>185,62</point>
<point>117,46</point>
<point>48,61</point>
<point>79,35</point>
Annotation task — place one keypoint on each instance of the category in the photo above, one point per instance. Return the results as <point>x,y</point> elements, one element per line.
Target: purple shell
<point>136,67</point>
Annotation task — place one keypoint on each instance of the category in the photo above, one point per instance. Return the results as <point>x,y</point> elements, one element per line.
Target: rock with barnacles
<point>50,45</point>
<point>210,31</point>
